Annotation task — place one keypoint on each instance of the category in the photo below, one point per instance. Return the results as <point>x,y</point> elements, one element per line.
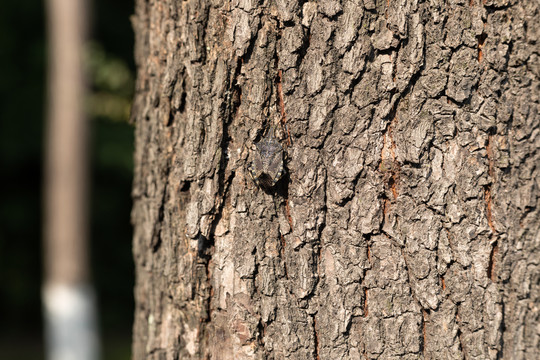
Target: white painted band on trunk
<point>70,322</point>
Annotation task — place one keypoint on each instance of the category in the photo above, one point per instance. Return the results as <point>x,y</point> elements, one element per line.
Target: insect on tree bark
<point>266,167</point>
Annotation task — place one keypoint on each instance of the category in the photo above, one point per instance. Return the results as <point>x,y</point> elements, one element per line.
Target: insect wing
<point>256,167</point>
<point>275,167</point>
<point>265,181</point>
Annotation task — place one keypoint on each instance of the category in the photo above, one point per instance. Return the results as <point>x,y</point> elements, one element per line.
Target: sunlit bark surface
<point>407,225</point>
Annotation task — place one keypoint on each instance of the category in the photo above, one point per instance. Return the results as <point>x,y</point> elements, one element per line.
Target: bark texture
<point>407,225</point>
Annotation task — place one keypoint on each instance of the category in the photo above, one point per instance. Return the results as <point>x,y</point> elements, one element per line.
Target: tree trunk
<point>407,224</point>
<point>68,297</point>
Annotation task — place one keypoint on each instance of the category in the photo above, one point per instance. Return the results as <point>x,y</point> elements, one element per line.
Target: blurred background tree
<point>22,92</point>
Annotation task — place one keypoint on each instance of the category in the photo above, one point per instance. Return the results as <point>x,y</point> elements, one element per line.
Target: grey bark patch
<point>463,74</point>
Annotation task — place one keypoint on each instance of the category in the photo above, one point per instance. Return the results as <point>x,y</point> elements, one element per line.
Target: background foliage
<point>23,47</point>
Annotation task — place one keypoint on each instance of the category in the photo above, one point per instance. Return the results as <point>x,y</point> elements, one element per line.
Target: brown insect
<point>266,167</point>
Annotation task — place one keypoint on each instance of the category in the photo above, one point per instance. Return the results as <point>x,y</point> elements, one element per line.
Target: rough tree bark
<point>407,225</point>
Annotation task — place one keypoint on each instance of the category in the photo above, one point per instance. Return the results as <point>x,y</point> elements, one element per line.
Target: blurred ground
<point>22,97</point>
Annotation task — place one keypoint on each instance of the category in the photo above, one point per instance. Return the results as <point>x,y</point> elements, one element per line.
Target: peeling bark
<point>407,225</point>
